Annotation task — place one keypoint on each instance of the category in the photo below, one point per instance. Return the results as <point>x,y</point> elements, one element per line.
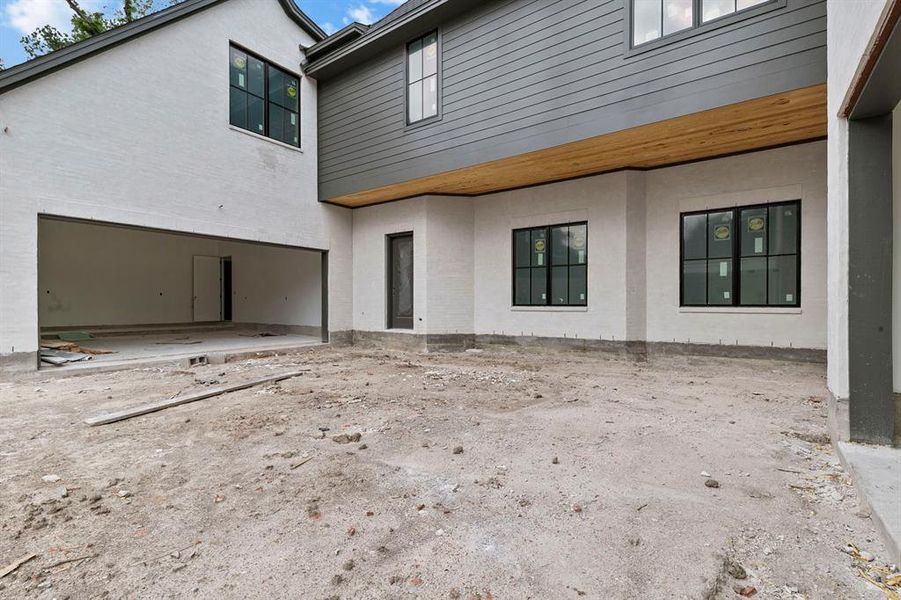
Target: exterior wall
<point>601,201</point>
<point>795,172</point>
<point>523,75</point>
<point>633,265</point>
<point>851,26</point>
<point>442,263</point>
<point>370,281</point>
<point>139,135</point>
<point>896,252</point>
<point>100,275</point>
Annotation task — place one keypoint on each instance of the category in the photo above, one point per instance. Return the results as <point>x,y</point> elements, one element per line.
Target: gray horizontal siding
<point>521,75</point>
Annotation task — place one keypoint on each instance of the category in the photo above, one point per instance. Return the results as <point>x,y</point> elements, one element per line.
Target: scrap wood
<point>16,564</point>
<point>302,463</point>
<point>71,560</point>
<point>168,403</point>
<point>71,347</point>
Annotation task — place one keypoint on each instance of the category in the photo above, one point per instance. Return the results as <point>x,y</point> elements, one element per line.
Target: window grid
<point>700,9</point>
<point>737,256</point>
<point>283,107</point>
<point>423,81</point>
<point>541,271</point>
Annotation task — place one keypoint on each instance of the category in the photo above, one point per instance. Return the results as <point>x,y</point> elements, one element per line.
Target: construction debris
<point>886,578</point>
<point>60,357</point>
<point>15,565</point>
<point>178,401</point>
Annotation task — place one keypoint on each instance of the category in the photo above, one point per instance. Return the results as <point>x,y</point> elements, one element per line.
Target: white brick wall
<point>633,231</point>
<point>139,135</point>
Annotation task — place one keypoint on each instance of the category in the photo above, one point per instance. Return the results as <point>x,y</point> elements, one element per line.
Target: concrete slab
<point>876,471</point>
<point>128,351</point>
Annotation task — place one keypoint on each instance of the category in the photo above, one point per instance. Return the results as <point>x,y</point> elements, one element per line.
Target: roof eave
<point>44,65</point>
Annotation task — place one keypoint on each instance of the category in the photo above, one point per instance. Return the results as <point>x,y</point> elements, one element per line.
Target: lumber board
<point>144,409</point>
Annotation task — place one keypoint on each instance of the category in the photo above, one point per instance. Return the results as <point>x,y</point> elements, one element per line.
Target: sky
<point>21,17</point>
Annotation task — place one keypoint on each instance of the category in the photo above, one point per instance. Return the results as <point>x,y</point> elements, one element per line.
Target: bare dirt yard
<point>502,473</point>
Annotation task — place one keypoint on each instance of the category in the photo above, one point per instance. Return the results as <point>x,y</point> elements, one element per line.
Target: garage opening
<point>114,293</point>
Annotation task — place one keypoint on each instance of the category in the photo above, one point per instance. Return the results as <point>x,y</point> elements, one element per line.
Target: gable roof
<point>44,65</point>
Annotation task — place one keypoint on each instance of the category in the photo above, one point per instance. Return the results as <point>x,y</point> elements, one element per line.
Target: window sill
<point>265,139</point>
<point>549,308</point>
<point>742,310</point>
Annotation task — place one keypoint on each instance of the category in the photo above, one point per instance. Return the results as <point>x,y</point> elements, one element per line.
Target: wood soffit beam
<point>882,33</point>
<point>786,118</point>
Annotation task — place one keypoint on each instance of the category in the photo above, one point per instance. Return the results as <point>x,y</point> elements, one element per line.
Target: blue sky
<point>20,17</point>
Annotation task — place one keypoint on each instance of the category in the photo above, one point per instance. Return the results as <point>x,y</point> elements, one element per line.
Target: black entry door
<point>400,281</point>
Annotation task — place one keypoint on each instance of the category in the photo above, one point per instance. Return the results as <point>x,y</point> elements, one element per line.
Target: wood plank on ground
<point>137,411</point>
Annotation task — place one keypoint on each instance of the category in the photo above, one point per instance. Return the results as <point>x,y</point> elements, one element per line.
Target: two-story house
<point>628,175</point>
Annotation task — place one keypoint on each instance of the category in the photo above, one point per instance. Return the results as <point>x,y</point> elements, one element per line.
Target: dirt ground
<point>501,473</point>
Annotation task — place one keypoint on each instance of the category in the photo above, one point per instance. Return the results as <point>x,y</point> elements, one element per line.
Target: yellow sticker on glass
<point>722,232</point>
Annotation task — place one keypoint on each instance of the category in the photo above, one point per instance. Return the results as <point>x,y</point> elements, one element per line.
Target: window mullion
<point>736,257</point>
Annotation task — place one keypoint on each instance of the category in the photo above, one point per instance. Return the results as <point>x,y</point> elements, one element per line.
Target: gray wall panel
<point>522,75</point>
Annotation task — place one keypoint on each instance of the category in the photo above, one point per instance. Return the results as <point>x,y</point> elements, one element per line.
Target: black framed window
<point>422,78</point>
<point>550,265</point>
<point>745,256</point>
<point>654,19</point>
<point>263,98</point>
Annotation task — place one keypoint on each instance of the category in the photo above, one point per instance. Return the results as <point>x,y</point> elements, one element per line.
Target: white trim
<point>264,138</point>
<point>549,308</point>
<point>744,310</point>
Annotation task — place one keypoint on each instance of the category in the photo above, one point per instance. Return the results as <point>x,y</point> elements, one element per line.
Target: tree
<point>85,24</point>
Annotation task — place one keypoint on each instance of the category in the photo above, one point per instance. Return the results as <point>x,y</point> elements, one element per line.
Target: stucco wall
<point>850,27</point>
<point>100,275</point>
<point>896,251</point>
<point>139,135</point>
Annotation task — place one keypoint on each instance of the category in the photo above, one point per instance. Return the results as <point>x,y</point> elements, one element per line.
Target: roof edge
<point>345,34</point>
<point>44,65</point>
<point>373,34</point>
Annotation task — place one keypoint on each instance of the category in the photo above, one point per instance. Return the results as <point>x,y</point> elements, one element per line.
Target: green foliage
<point>84,25</point>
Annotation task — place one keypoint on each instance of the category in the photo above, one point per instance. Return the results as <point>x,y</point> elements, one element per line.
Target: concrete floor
<point>877,472</point>
<point>130,350</point>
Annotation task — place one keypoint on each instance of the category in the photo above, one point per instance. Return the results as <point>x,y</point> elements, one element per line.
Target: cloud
<point>27,15</point>
<point>361,14</point>
<point>329,28</point>
<point>388,2</point>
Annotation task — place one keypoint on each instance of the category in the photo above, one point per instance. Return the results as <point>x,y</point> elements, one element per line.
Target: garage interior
<point>111,293</point>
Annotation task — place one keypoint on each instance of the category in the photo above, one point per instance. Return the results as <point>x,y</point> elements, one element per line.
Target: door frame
<point>389,279</point>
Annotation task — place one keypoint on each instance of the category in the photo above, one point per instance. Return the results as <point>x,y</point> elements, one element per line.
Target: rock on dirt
<point>345,438</point>
<point>712,483</point>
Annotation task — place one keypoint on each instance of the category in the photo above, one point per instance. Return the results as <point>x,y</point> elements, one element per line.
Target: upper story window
<point>263,98</point>
<point>422,78</point>
<point>748,256</point>
<point>550,265</point>
<point>653,19</point>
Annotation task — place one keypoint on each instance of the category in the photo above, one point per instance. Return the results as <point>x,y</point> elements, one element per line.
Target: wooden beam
<point>887,21</point>
<point>790,117</point>
<point>137,411</point>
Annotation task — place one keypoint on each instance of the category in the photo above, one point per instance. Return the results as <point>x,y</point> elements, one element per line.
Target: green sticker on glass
<point>722,232</point>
